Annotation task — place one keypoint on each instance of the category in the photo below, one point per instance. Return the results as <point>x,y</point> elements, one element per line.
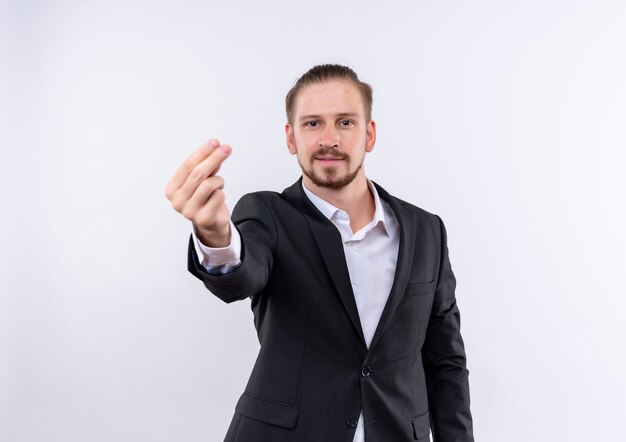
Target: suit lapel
<point>403,265</point>
<point>330,244</point>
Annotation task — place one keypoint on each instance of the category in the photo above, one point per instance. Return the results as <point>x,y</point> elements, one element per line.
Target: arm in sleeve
<point>443,355</point>
<point>219,260</point>
<point>255,225</point>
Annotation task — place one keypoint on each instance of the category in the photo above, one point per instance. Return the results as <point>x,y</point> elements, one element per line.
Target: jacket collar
<point>329,210</point>
<point>329,242</point>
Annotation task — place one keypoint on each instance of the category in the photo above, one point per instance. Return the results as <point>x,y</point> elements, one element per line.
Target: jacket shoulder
<point>428,223</point>
<point>267,197</point>
<point>418,213</point>
<point>415,209</point>
<point>255,199</point>
<point>398,202</point>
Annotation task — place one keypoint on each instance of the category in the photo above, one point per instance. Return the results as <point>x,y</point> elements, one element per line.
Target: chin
<point>328,177</point>
<point>332,182</point>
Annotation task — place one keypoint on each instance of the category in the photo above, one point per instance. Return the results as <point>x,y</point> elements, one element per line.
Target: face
<point>330,134</point>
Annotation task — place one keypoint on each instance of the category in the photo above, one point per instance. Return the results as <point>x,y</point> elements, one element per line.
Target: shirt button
<point>352,421</point>
<point>366,371</point>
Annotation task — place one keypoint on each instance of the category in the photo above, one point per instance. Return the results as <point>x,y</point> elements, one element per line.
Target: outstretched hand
<point>197,193</point>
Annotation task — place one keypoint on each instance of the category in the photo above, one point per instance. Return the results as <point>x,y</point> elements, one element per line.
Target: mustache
<point>329,151</point>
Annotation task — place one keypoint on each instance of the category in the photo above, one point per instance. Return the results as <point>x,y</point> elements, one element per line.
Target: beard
<point>330,178</point>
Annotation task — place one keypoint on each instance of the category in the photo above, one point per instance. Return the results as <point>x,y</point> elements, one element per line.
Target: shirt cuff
<point>219,260</point>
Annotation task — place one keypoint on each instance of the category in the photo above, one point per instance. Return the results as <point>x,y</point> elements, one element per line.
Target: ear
<point>291,139</point>
<point>370,133</point>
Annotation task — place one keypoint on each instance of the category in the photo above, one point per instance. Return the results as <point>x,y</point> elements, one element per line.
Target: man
<point>351,288</point>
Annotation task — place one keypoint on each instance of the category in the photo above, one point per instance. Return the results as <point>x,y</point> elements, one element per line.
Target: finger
<point>209,215</point>
<point>202,194</point>
<point>181,174</point>
<point>205,169</point>
<point>213,162</point>
<point>217,169</point>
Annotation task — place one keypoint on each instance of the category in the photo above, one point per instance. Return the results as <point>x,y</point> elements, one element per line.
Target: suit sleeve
<point>443,355</point>
<point>257,230</point>
<point>219,260</point>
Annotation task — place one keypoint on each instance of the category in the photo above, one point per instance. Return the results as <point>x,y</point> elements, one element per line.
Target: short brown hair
<point>326,72</point>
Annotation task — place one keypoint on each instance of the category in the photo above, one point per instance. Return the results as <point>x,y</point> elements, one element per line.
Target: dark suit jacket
<point>314,372</point>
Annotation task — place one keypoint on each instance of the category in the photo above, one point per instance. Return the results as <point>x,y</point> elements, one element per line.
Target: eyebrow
<point>341,115</point>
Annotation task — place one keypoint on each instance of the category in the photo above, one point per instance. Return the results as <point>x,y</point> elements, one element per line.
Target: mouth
<point>328,159</point>
<point>329,156</point>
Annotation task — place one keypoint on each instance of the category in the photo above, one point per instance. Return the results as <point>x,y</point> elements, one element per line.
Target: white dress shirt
<point>371,256</point>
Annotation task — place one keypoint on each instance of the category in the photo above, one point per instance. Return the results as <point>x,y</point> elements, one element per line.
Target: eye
<point>346,123</point>
<point>312,124</point>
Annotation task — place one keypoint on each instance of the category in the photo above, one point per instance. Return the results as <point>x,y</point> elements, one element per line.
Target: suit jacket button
<point>366,371</point>
<point>352,421</point>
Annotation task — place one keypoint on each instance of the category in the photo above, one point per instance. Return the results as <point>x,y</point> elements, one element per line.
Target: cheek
<point>355,138</point>
<point>307,139</point>
<point>304,154</point>
<point>306,146</point>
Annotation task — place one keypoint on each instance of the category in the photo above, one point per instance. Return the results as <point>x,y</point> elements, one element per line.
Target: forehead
<point>329,97</point>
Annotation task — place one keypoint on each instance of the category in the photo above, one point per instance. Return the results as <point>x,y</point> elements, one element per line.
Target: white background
<point>505,118</point>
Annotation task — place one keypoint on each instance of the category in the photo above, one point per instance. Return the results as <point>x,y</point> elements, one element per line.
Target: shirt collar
<point>328,210</point>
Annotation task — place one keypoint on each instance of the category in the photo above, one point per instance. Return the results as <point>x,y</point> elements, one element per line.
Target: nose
<point>329,137</point>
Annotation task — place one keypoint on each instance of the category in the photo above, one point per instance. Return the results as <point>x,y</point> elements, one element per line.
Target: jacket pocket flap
<point>421,426</point>
<point>420,288</point>
<point>271,412</point>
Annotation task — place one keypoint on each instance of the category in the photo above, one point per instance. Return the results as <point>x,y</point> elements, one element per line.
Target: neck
<point>355,198</point>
